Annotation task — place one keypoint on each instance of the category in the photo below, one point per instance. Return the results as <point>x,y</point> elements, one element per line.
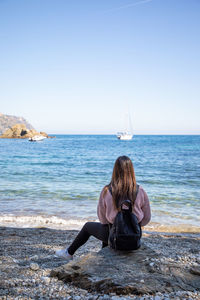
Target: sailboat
<point>126,135</point>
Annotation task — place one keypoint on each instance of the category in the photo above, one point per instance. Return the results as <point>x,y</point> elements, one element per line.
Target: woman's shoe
<point>64,254</point>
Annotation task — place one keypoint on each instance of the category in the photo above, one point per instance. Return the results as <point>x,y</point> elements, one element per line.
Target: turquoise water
<point>64,176</point>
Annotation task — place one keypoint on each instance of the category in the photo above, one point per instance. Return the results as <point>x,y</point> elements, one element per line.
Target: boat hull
<point>125,137</point>
<point>37,138</point>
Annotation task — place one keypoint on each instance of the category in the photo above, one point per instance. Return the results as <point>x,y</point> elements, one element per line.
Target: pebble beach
<point>27,258</point>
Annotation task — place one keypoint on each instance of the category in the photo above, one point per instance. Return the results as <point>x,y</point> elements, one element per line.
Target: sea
<point>57,182</point>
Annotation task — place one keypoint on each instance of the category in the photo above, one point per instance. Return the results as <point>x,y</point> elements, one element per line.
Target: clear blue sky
<point>74,66</point>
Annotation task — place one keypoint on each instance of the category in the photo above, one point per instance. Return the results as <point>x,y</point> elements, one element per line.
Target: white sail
<point>126,135</point>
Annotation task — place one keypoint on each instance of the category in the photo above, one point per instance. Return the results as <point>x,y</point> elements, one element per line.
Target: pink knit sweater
<point>107,212</point>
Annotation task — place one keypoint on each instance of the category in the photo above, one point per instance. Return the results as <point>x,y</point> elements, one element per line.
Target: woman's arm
<point>101,209</point>
<point>146,210</point>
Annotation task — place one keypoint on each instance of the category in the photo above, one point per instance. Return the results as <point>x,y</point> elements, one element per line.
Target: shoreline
<point>27,258</point>
<point>56,222</point>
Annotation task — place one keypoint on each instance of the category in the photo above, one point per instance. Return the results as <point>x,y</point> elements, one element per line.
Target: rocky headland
<point>20,131</point>
<point>12,127</point>
<point>166,267</point>
<point>7,121</point>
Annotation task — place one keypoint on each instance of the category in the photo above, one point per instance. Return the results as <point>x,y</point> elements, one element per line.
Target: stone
<point>195,270</point>
<point>109,271</point>
<point>34,257</point>
<point>157,298</point>
<point>34,266</point>
<point>142,280</point>
<point>44,133</point>
<point>198,260</point>
<point>106,297</point>
<point>46,279</point>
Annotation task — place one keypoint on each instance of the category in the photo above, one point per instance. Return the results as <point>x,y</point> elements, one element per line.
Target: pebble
<point>157,298</point>
<point>46,279</point>
<point>34,257</point>
<point>77,298</point>
<point>106,297</point>
<point>34,266</point>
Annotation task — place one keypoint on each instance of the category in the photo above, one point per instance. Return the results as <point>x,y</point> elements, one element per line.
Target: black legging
<point>98,230</point>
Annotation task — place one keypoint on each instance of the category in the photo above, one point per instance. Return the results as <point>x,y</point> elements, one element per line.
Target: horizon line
<point>139,134</point>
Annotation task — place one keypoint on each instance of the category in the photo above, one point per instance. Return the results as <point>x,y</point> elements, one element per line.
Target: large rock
<point>7,121</point>
<point>138,272</point>
<point>20,131</point>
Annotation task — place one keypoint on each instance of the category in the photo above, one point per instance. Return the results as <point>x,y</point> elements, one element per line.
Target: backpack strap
<point>110,188</point>
<point>137,189</point>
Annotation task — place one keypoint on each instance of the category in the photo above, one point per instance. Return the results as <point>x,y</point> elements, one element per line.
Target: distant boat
<point>127,134</point>
<point>37,138</point>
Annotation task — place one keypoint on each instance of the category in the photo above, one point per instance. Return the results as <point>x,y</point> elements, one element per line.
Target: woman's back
<point>107,211</point>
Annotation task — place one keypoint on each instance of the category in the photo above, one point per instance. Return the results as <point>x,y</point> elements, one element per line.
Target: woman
<point>122,187</point>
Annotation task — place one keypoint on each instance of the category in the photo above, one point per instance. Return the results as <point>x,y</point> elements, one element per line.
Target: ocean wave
<point>38,221</point>
<point>11,220</point>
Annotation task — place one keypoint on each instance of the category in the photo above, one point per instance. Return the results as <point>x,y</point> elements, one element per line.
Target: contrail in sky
<point>131,4</point>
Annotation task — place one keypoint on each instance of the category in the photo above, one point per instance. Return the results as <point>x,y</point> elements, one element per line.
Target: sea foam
<point>41,221</point>
<point>37,221</point>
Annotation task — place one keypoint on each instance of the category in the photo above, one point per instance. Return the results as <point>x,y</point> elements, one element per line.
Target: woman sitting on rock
<point>122,186</point>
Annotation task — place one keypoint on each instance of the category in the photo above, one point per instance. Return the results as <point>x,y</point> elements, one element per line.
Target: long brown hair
<point>123,182</point>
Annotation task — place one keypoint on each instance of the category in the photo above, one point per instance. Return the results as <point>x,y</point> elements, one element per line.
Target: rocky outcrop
<point>20,131</point>
<point>7,121</point>
<point>138,272</point>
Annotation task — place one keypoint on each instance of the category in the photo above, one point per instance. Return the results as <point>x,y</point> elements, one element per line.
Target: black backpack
<point>125,233</point>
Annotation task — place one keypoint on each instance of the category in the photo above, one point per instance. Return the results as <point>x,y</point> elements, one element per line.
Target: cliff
<point>7,121</point>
